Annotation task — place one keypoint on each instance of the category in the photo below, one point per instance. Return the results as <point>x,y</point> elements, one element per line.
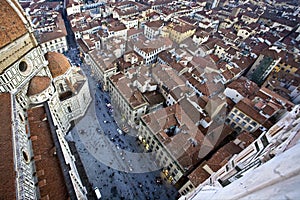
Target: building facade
<point>28,86</point>
<point>102,68</point>
<point>130,101</point>
<point>49,26</point>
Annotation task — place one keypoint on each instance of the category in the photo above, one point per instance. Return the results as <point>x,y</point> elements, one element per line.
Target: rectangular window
<point>233,125</point>
<point>61,87</point>
<point>175,171</point>
<point>69,109</point>
<point>253,123</point>
<point>241,115</point>
<point>256,146</point>
<point>264,140</point>
<point>237,119</point>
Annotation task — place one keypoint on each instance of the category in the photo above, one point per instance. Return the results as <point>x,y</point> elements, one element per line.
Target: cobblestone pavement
<point>114,162</point>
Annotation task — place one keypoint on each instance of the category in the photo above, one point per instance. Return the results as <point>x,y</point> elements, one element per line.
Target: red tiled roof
<point>223,154</point>
<point>268,110</point>
<point>246,138</point>
<point>245,87</point>
<point>155,24</point>
<point>58,63</point>
<point>50,178</point>
<point>7,175</point>
<point>38,84</point>
<point>116,26</point>
<point>218,160</point>
<point>133,31</point>
<point>184,28</point>
<point>59,32</point>
<point>12,27</point>
<point>227,75</point>
<point>247,107</point>
<point>82,45</point>
<point>199,175</point>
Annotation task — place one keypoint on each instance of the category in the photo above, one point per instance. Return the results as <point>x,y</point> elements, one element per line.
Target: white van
<point>97,192</point>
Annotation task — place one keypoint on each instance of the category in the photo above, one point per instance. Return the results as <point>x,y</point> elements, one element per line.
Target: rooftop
<point>244,86</point>
<point>8,175</point>
<point>50,178</point>
<point>133,96</point>
<point>219,159</point>
<point>104,60</point>
<point>38,84</point>
<point>58,63</point>
<point>12,26</point>
<point>183,28</point>
<point>153,98</point>
<point>148,46</point>
<point>58,32</point>
<point>247,107</point>
<point>155,24</point>
<point>185,144</point>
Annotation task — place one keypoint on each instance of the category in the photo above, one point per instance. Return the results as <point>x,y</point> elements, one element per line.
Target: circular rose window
<point>23,66</point>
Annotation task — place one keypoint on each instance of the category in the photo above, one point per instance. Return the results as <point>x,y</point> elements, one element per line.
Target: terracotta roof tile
<point>202,33</point>
<point>133,31</point>
<point>38,84</point>
<point>58,63</point>
<point>247,107</point>
<point>199,175</point>
<point>134,97</point>
<point>154,97</point>
<point>184,146</point>
<point>166,57</point>
<point>246,138</point>
<point>224,154</point>
<point>12,27</point>
<point>51,181</point>
<point>245,87</point>
<point>7,175</point>
<point>116,26</point>
<point>58,32</point>
<point>184,28</point>
<point>82,45</point>
<point>219,159</point>
<point>268,110</point>
<point>227,75</point>
<point>155,24</point>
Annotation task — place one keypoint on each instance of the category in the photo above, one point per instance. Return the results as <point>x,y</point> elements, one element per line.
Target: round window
<point>23,66</point>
